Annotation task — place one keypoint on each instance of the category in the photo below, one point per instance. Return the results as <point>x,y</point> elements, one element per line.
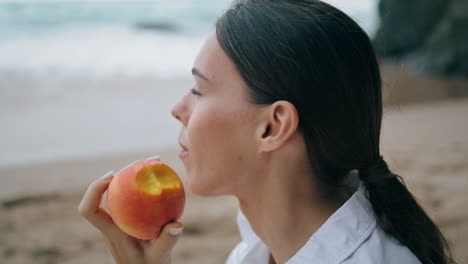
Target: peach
<point>144,197</point>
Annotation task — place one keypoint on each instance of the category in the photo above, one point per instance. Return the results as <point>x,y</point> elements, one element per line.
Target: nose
<point>180,111</point>
<point>175,112</point>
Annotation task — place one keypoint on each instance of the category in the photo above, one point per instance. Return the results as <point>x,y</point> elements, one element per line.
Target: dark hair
<point>316,57</point>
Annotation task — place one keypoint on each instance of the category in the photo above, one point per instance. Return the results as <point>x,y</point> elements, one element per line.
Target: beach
<point>87,87</point>
<point>57,141</point>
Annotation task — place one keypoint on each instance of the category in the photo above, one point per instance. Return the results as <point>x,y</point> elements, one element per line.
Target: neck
<point>287,207</point>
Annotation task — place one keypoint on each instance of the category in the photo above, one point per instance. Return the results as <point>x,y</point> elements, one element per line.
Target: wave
<point>104,51</point>
<point>113,37</point>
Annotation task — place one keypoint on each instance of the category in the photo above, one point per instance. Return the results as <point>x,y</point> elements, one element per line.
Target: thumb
<point>159,249</point>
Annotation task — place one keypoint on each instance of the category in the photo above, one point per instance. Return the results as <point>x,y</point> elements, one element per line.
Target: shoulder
<point>351,236</point>
<point>379,247</point>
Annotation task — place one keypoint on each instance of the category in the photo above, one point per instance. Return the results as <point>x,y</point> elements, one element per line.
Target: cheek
<point>220,145</point>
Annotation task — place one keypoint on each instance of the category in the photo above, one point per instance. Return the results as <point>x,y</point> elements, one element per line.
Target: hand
<point>124,248</point>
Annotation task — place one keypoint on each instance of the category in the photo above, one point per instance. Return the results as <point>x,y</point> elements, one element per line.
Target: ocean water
<point>100,77</point>
<point>107,37</point>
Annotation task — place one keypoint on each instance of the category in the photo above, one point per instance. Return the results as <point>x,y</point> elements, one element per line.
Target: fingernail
<point>175,231</point>
<point>154,158</point>
<point>107,176</point>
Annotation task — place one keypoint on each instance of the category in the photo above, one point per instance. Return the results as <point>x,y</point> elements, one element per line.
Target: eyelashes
<point>195,91</point>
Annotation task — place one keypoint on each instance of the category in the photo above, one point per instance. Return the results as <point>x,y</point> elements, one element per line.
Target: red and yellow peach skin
<point>144,197</point>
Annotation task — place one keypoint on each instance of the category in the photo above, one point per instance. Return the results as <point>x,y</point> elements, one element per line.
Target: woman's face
<point>219,125</point>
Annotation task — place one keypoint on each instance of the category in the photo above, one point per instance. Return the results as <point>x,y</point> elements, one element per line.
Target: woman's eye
<point>195,92</point>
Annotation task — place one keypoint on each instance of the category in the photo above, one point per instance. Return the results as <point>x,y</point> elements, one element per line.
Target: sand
<point>426,142</point>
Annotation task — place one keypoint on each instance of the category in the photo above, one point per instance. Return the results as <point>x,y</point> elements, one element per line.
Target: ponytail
<point>398,214</point>
<point>316,57</point>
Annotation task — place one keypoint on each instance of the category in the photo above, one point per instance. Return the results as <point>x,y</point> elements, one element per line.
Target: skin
<point>124,248</point>
<point>253,152</point>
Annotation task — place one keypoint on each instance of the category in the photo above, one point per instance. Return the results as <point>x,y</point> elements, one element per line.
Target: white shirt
<point>350,236</point>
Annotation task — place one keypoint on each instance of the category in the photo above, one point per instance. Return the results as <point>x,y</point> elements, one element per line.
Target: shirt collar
<point>341,234</point>
<point>334,241</point>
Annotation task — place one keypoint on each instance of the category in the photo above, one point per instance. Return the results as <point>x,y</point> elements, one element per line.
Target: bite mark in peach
<point>144,197</point>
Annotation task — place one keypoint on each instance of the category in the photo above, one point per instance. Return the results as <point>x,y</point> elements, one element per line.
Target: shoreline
<point>48,118</point>
<point>70,175</point>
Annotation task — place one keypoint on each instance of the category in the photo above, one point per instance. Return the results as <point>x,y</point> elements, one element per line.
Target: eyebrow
<point>196,72</point>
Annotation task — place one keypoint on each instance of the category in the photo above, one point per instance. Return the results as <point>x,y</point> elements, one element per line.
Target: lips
<point>183,153</point>
<point>183,146</point>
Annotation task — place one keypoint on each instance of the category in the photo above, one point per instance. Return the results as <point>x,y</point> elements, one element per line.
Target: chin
<point>200,190</point>
<point>203,188</point>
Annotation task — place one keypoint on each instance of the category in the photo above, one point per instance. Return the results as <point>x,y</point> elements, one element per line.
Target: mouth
<point>183,153</point>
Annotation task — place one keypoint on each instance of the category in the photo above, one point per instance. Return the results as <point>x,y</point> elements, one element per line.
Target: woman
<point>285,115</point>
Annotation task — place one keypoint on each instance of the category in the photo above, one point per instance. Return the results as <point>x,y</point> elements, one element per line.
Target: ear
<point>280,123</point>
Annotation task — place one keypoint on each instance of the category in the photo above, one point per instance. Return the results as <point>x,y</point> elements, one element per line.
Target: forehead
<point>214,63</point>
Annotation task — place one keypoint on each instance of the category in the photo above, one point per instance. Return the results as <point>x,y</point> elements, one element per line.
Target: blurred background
<point>87,87</point>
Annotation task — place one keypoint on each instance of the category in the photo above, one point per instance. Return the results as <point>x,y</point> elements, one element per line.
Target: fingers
<point>160,248</point>
<point>89,206</point>
<point>154,158</point>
